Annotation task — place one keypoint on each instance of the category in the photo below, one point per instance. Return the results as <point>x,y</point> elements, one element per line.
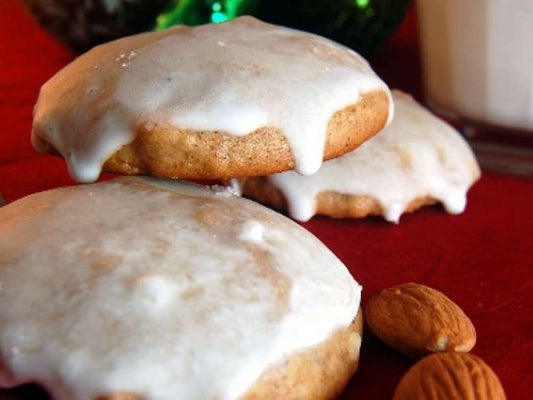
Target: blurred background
<point>360,24</point>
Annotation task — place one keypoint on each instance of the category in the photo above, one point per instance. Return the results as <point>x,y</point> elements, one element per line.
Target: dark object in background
<point>359,24</point>
<point>82,24</point>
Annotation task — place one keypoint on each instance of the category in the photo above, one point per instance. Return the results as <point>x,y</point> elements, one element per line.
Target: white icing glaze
<point>161,289</point>
<point>252,231</point>
<point>233,77</point>
<point>417,155</point>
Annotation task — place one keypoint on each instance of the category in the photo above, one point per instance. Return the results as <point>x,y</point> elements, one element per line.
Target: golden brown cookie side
<point>180,153</point>
<point>338,205</point>
<point>176,153</point>
<point>355,124</point>
<point>329,203</point>
<point>261,190</point>
<point>319,373</point>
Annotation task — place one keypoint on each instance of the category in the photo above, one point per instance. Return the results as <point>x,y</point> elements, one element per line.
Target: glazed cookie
<point>242,98</point>
<point>149,289</point>
<point>415,161</point>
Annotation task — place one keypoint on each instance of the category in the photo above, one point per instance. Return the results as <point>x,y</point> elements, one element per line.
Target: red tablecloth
<point>483,259</point>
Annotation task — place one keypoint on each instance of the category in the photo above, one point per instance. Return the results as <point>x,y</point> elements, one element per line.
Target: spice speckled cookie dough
<point>242,98</point>
<point>415,161</point>
<point>149,289</point>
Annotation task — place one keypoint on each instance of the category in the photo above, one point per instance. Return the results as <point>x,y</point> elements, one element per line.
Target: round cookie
<point>141,288</point>
<point>242,98</point>
<point>417,160</point>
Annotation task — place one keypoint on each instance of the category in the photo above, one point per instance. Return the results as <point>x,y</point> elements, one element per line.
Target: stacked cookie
<point>217,101</point>
<point>147,288</point>
<point>416,160</point>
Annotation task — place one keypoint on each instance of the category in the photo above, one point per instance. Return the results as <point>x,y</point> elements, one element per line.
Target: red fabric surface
<point>483,259</point>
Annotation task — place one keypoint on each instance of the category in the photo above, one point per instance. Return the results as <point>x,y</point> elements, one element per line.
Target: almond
<point>450,376</point>
<point>416,320</point>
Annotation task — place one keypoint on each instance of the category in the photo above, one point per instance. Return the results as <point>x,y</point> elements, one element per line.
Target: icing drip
<point>417,155</point>
<point>159,289</point>
<point>233,77</point>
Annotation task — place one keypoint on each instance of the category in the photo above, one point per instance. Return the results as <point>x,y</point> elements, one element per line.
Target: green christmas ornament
<point>359,24</point>
<point>193,12</point>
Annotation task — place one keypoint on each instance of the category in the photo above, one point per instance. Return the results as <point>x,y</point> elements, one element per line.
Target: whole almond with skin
<point>416,320</point>
<point>446,376</point>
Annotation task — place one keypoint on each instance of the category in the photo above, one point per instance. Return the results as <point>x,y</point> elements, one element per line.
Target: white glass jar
<point>477,62</point>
